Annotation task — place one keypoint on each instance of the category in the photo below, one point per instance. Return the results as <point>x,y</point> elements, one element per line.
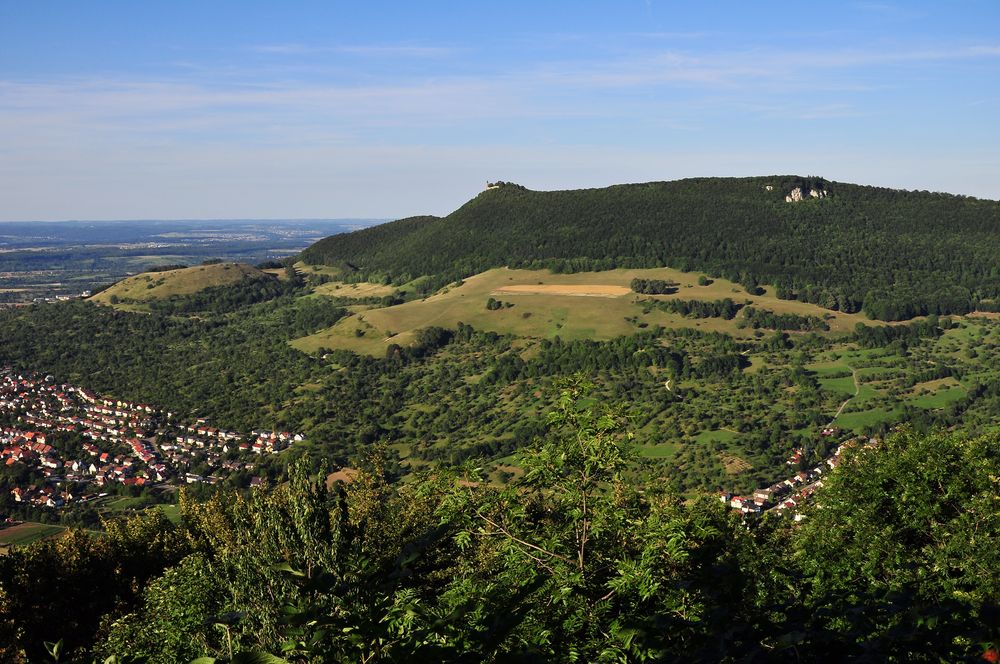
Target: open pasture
<point>184,281</point>
<point>353,291</point>
<point>540,304</point>
<point>26,533</point>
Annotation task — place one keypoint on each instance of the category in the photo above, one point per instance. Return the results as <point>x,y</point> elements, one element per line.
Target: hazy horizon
<point>206,220</point>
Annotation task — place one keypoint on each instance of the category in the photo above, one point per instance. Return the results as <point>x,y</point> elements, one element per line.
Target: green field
<point>659,451</point>
<point>866,418</point>
<point>584,305</point>
<point>865,393</point>
<point>26,533</point>
<point>172,512</point>
<point>843,385</point>
<point>719,435</point>
<point>826,369</point>
<point>870,371</point>
<point>937,394</point>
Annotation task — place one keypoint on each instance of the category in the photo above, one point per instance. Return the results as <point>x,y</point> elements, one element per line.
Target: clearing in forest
<point>542,305</point>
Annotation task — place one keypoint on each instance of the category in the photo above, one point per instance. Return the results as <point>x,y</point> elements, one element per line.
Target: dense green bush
<point>569,562</point>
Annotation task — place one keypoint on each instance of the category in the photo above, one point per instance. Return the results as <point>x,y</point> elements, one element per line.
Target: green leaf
<point>257,658</point>
<point>54,649</point>
<point>288,569</point>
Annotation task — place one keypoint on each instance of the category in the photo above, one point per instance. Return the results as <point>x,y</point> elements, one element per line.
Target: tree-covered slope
<point>895,253</point>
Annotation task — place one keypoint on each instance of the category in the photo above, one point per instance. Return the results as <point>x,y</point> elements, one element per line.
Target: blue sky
<point>131,110</point>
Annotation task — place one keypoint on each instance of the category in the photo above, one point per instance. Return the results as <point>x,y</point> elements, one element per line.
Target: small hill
<point>184,281</point>
<point>894,254</point>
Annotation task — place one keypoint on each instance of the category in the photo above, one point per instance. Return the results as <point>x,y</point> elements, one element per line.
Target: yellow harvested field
<point>595,290</point>
<point>931,386</point>
<point>345,475</point>
<point>358,290</point>
<point>278,272</point>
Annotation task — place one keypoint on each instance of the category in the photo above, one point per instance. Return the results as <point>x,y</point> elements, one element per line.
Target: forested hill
<point>896,254</point>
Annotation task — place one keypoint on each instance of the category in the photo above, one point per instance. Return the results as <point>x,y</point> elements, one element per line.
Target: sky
<point>246,109</point>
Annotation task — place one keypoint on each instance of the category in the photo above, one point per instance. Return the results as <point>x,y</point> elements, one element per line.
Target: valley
<point>714,404</point>
<point>465,333</point>
<point>54,259</point>
<point>623,429</point>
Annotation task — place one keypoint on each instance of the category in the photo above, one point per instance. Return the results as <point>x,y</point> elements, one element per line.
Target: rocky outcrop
<point>796,195</point>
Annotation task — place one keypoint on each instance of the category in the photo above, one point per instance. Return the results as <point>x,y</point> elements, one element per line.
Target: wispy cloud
<point>751,67</point>
<point>674,86</point>
<point>241,125</point>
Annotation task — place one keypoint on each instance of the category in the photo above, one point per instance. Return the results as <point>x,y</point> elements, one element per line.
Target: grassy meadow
<point>184,281</point>
<point>540,304</point>
<point>26,533</point>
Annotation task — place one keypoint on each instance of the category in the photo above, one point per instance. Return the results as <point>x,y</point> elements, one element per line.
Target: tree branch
<point>521,541</point>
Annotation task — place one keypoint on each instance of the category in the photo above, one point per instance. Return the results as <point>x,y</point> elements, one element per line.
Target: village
<point>62,444</point>
<point>788,495</point>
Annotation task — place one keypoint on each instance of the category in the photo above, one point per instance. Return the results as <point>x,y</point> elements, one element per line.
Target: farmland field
<point>843,384</point>
<point>721,435</point>
<point>658,451</point>
<point>26,533</point>
<point>861,420</point>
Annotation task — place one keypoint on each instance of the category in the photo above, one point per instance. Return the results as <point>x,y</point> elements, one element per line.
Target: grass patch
<point>186,281</point>
<point>866,418</point>
<point>865,393</point>
<point>938,398</point>
<point>659,451</point>
<point>826,369</point>
<point>26,533</point>
<point>843,385</point>
<point>172,512</point>
<point>585,305</point>
<point>353,291</point>
<point>716,436</point>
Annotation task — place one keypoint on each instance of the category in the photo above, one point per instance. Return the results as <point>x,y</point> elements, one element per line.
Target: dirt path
<point>857,389</point>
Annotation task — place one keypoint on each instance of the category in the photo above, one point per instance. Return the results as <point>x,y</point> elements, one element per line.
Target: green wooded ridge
<point>893,254</point>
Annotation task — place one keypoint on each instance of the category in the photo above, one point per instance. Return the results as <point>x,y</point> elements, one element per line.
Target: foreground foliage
<point>568,563</point>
